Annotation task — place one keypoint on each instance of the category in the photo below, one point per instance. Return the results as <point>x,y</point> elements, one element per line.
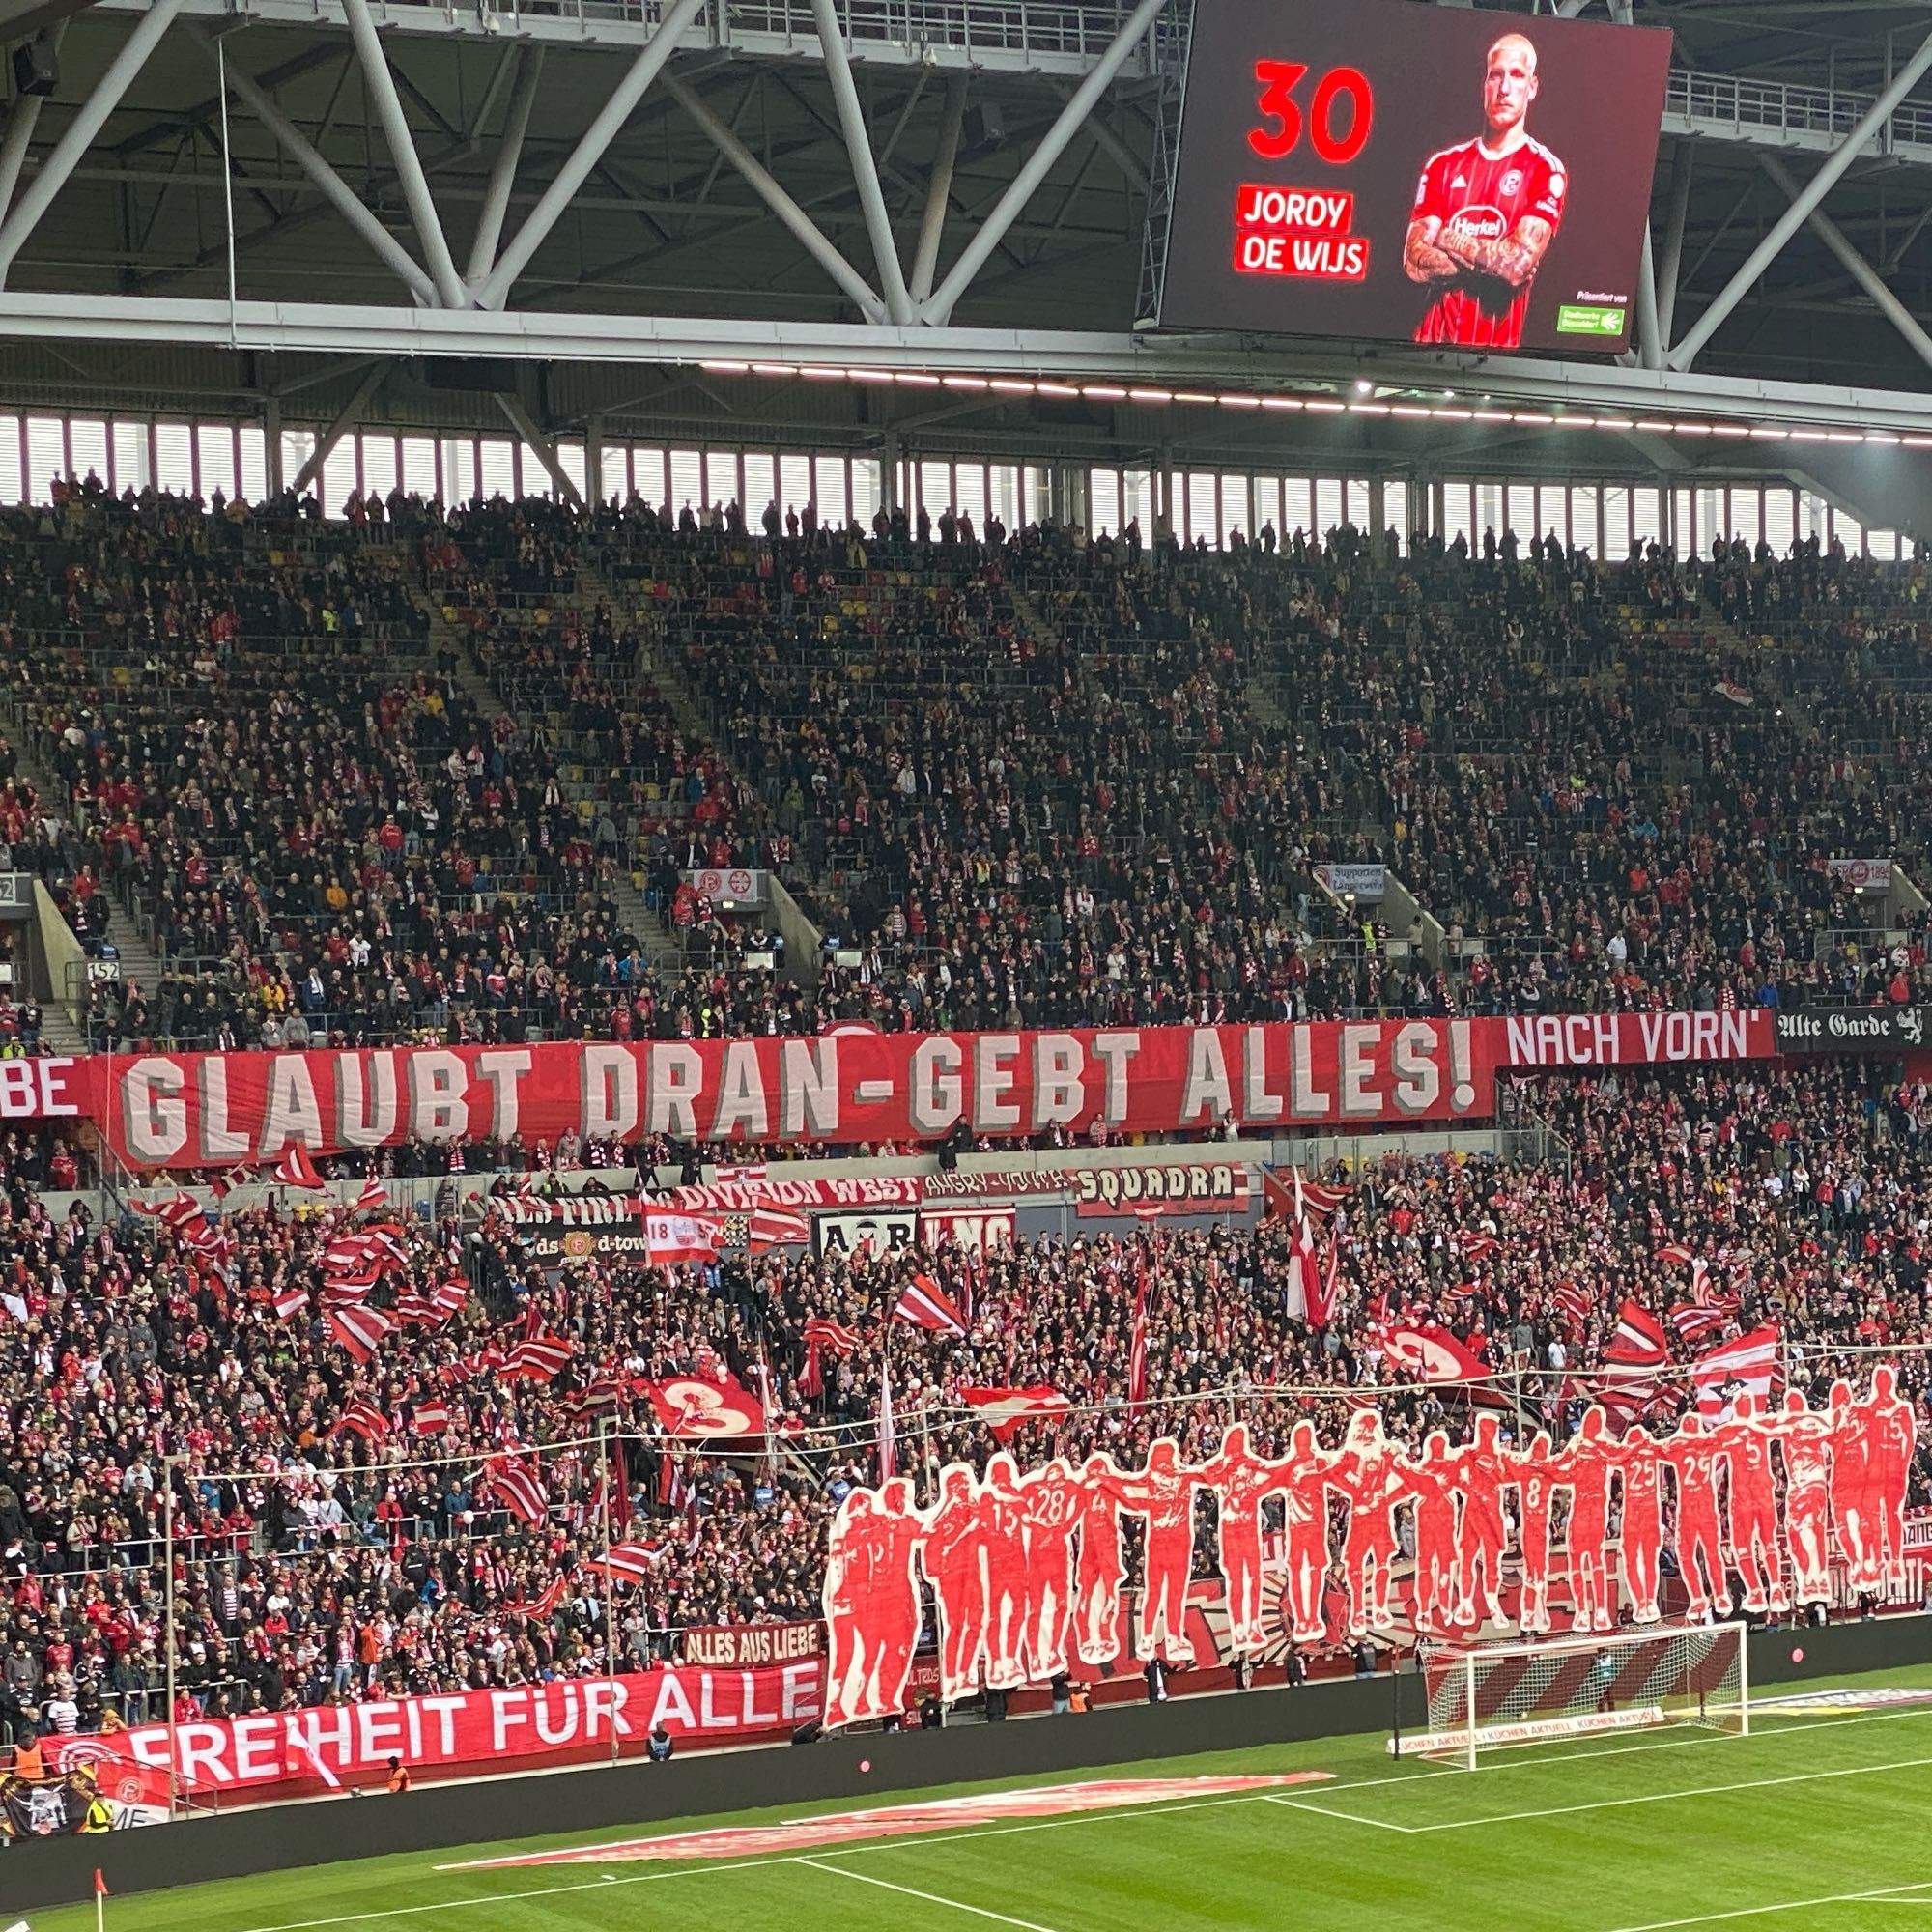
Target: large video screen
<point>1378,169</point>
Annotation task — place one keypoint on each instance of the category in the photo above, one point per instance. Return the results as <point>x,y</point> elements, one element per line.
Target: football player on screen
<point>1485,213</point>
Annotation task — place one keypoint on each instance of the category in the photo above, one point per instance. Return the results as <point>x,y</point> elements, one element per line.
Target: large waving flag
<point>926,1305</point>
<point>1006,1410</point>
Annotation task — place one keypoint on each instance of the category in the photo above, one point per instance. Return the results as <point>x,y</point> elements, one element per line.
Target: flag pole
<point>610,1608</point>
<point>168,1623</point>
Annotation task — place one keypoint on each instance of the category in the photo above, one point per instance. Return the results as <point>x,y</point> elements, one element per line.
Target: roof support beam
<point>495,288</point>
<point>1670,267</point>
<point>79,134</point>
<point>1855,265</point>
<point>805,231</point>
<point>522,421</point>
<point>1799,213</point>
<point>938,307</point>
<point>503,168</point>
<point>408,163</point>
<point>347,203</point>
<point>865,169</point>
<point>939,191</point>
<point>351,416</point>
<point>1650,343</point>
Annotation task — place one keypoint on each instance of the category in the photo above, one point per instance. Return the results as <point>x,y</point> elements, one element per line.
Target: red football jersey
<point>1465,189</point>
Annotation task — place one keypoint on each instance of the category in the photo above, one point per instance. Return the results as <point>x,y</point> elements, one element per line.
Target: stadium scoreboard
<point>1398,172</point>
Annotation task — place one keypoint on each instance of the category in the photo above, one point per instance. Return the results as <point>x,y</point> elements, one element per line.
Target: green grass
<point>1797,1825</point>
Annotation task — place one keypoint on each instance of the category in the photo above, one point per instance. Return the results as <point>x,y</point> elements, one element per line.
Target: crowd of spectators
<point>320,1555</point>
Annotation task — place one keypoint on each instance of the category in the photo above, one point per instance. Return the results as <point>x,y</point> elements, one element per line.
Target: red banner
<point>208,1109</point>
<point>285,1753</point>
<point>197,1110</point>
<point>1604,1039</point>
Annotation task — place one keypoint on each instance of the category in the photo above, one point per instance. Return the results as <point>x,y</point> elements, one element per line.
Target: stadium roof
<point>377,157</point>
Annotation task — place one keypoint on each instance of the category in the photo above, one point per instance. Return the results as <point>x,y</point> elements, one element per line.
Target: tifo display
<point>1026,1570</point>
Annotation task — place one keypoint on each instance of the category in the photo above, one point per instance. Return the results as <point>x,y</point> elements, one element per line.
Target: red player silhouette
<point>1486,1468</point>
<point>1304,1490</point>
<point>1851,1488</point>
<point>1639,1461</point>
<point>1100,1568</point>
<point>1432,1480</point>
<point>956,1562</point>
<point>1048,1509</point>
<point>1745,1442</point>
<point>1807,1442</point>
<point>1241,1480</point>
<point>1163,1495</point>
<point>1370,1477</point>
<point>1584,1464</point>
<point>1889,1437</point>
<point>871,1604</point>
<point>1693,1456</point>
<point>1533,1473</point>
<point>1002,1513</point>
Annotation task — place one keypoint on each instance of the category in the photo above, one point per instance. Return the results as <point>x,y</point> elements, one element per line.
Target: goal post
<point>1483,1696</point>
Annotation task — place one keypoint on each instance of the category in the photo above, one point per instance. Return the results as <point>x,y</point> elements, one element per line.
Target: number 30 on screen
<point>1278,81</point>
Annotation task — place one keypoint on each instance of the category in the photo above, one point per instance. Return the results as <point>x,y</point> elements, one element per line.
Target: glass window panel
<point>12,483</point>
<point>1686,536</point>
<point>720,477</point>
<point>298,446</point>
<point>532,477</point>
<point>1519,511</point>
<point>1267,504</point>
<point>687,480</point>
<point>378,466</point>
<point>1137,499</point>
<point>215,453</point>
<point>338,477</point>
<point>1584,531</point>
<point>935,488</point>
<point>459,469</point>
<point>1647,514</point>
<point>496,467</point>
<point>1297,505</point>
<point>614,472</point>
<point>1552,511</point>
<point>1780,519</point>
<point>420,465</point>
<point>969,486</point>
<point>828,475</point>
<point>794,482</point>
<point>174,458</point>
<point>761,484</point>
<point>1711,521</point>
<point>1327,506</point>
<point>131,470</point>
<point>1356,502</point>
<point>1203,514</point>
<point>1039,504</point>
<point>87,444</point>
<point>1813,516</point>
<point>47,456</point>
<point>1236,513</point>
<point>1459,512</point>
<point>865,490</point>
<point>1004,479</point>
<point>254,477</point>
<point>1103,500</point>
<point>570,460</point>
<point>1616,523</point>
<point>1747,515</point>
<point>647,476</point>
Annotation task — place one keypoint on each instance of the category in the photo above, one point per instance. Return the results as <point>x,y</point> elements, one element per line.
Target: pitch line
<point>1886,1895</point>
<point>931,1898</point>
<point>1321,1811</point>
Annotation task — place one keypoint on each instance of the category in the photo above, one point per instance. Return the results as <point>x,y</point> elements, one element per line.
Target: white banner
<point>1366,882</point>
<point>1863,875</point>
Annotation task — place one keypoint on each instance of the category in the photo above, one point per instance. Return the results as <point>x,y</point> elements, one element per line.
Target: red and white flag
<point>175,1211</point>
<point>822,1337</point>
<point>1574,1302</point>
<point>1695,1324</point>
<point>1748,1365</point>
<point>516,1486</point>
<point>431,1417</point>
<point>1137,1346</point>
<point>674,1239</point>
<point>1429,1352</point>
<point>629,1562</point>
<point>538,1358</point>
<point>365,1419</point>
<point>769,1228</point>
<point>688,1406</point>
<point>295,1169</point>
<point>291,1303</point>
<point>358,1330</point>
<point>1006,1410</point>
<point>303,1756</point>
<point>1321,1301</point>
<point>374,1195</point>
<point>1675,1253</point>
<point>926,1305</point>
<point>889,1435</point>
<point>1639,1339</point>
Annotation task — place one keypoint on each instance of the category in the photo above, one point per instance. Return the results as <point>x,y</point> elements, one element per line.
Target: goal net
<point>1525,1694</point>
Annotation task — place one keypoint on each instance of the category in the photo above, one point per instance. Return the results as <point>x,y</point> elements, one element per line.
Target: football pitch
<point>1819,1817</point>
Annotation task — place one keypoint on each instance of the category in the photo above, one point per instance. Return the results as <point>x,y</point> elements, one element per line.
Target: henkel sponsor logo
<point>1480,223</point>
<point>893,1820</point>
